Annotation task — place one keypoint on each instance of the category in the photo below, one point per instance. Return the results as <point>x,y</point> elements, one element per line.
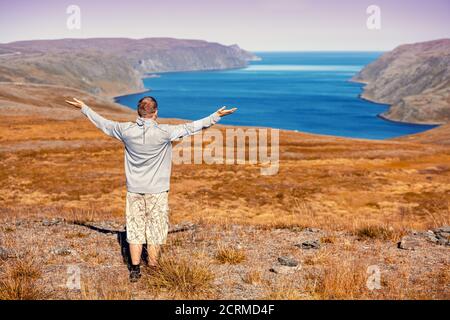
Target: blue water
<point>304,91</point>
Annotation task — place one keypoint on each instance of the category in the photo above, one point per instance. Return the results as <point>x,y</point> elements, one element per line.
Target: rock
<point>61,251</point>
<point>51,222</point>
<point>444,241</point>
<point>410,242</point>
<point>445,229</point>
<point>312,230</point>
<point>284,269</point>
<point>309,244</point>
<point>186,226</point>
<point>442,235</point>
<point>5,253</point>
<point>420,239</point>
<point>8,253</point>
<point>288,261</point>
<point>430,236</point>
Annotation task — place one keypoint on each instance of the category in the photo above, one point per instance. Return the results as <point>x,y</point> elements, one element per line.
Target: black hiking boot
<point>135,273</point>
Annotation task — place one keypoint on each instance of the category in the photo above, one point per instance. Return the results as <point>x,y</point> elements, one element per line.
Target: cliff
<point>111,66</point>
<point>414,79</point>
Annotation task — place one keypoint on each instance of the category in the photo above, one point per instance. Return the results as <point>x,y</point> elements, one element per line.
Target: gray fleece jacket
<point>148,147</point>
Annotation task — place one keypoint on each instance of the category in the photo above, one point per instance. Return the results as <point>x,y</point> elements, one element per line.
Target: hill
<point>111,66</point>
<point>414,79</point>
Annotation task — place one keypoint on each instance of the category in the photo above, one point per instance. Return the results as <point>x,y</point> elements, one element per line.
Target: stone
<point>312,230</point>
<point>5,253</point>
<point>445,229</point>
<point>288,261</point>
<point>284,269</point>
<point>185,226</point>
<point>411,242</point>
<point>61,251</point>
<point>51,222</point>
<point>309,244</point>
<point>442,240</point>
<point>442,235</point>
<point>430,236</point>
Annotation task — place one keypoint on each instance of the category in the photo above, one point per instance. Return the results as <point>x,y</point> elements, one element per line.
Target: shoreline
<point>150,75</point>
<point>435,125</point>
<point>360,96</point>
<point>381,116</point>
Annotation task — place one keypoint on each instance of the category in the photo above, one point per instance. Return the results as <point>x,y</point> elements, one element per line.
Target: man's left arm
<point>188,129</point>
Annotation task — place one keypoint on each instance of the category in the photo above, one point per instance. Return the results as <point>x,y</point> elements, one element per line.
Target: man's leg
<point>135,252</point>
<point>153,254</point>
<point>135,216</point>
<point>157,225</point>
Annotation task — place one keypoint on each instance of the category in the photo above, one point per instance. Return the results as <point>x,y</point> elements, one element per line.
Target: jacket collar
<point>145,121</point>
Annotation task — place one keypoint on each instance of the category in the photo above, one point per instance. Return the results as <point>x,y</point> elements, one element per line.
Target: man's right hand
<point>76,103</point>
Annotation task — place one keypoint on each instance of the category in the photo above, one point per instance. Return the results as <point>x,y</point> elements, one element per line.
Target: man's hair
<point>147,106</point>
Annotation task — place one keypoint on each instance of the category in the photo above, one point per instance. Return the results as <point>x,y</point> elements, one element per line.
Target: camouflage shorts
<point>147,218</point>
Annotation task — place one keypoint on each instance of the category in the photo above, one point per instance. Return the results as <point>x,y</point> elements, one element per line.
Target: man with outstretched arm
<point>148,162</point>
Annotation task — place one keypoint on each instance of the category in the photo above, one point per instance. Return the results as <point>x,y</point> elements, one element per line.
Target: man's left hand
<point>222,112</point>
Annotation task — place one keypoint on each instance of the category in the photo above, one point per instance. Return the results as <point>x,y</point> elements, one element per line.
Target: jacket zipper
<point>143,134</point>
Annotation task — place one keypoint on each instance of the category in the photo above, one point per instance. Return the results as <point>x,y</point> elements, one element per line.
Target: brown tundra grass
<point>180,278</point>
<point>19,280</point>
<point>230,255</point>
<point>380,232</point>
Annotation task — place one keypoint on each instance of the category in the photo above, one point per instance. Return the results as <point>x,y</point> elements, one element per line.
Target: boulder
<point>284,269</point>
<point>288,261</point>
<point>411,242</point>
<point>309,244</point>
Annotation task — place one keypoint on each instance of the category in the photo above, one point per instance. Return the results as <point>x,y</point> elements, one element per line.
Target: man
<point>148,162</point>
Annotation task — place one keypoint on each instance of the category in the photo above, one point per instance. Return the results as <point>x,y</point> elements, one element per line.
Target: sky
<point>256,25</point>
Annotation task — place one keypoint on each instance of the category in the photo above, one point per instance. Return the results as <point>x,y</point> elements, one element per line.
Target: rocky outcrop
<point>414,79</point>
<point>111,66</point>
<point>415,240</point>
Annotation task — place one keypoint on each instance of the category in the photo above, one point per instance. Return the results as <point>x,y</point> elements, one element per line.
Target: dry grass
<point>230,255</point>
<point>180,278</point>
<point>328,239</point>
<point>75,235</point>
<point>283,291</point>
<point>322,182</point>
<point>19,281</point>
<point>106,289</point>
<point>347,278</point>
<point>339,280</point>
<point>252,277</point>
<point>380,232</point>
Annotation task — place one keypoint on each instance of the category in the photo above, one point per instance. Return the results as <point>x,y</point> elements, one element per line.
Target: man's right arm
<point>111,128</point>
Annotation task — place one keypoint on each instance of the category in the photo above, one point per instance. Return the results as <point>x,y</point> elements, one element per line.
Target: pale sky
<point>254,25</point>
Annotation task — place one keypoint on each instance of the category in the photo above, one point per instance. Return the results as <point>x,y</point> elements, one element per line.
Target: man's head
<point>147,108</point>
